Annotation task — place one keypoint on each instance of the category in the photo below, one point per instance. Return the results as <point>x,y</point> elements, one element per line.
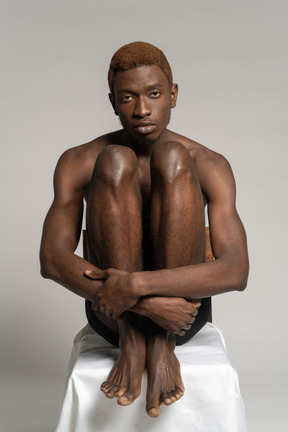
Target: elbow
<point>241,278</point>
<point>44,271</point>
<point>242,284</point>
<point>236,275</point>
<point>46,267</point>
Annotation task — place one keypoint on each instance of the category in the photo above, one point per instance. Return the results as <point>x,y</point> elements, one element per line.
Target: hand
<point>116,294</point>
<point>174,314</point>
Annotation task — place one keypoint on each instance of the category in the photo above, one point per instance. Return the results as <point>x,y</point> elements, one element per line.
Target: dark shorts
<point>109,335</point>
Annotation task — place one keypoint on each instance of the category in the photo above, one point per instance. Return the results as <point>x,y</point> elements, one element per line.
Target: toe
<point>178,393</point>
<point>114,391</point>
<point>125,400</point>
<point>154,412</point>
<point>105,386</point>
<point>169,398</point>
<point>152,407</point>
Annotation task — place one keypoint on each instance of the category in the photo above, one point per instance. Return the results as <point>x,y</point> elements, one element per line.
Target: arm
<point>62,229</point>
<point>174,314</point>
<point>229,270</point>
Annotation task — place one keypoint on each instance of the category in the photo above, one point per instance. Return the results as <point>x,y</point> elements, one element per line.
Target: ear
<point>174,94</point>
<point>112,100</point>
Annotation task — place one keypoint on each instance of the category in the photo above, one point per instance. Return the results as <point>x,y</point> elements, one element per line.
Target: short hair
<point>138,54</point>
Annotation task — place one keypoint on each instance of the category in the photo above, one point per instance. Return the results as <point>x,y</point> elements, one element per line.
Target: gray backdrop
<point>230,61</point>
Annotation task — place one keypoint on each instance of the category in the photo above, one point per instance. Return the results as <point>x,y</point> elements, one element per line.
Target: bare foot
<point>124,380</point>
<point>163,372</point>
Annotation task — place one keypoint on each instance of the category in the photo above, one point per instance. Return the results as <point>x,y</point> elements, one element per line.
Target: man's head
<point>138,54</point>
<point>142,92</point>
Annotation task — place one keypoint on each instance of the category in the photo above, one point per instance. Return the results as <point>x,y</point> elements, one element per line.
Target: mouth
<point>145,127</point>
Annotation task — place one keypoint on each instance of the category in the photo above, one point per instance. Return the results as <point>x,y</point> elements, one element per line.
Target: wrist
<point>137,284</point>
<point>143,307</point>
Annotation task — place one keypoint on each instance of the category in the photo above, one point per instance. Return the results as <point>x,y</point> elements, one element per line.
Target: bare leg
<point>178,239</point>
<point>115,228</point>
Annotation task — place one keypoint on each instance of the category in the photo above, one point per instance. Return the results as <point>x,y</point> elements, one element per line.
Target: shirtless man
<point>145,188</point>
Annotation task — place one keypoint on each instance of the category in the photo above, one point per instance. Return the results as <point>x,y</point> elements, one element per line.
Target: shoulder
<point>88,152</point>
<point>215,176</point>
<point>203,157</point>
<point>213,169</point>
<point>76,164</point>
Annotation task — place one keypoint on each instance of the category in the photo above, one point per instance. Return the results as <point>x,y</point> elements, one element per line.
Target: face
<point>143,100</point>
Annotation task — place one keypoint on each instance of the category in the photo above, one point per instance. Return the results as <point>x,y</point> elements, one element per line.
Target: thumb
<point>96,275</point>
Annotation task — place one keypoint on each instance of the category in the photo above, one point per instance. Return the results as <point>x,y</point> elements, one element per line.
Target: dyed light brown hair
<point>138,54</point>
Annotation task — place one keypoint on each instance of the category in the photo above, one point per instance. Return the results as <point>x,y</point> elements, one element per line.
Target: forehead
<point>140,78</point>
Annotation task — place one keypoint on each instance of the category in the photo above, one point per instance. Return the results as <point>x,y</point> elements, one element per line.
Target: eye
<point>126,98</point>
<point>155,94</point>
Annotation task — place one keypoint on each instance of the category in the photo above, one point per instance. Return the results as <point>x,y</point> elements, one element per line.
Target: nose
<point>142,108</point>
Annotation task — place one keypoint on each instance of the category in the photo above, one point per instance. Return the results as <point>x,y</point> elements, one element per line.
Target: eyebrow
<point>150,87</point>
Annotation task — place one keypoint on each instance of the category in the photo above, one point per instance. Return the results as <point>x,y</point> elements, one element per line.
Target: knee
<point>115,164</point>
<point>171,161</point>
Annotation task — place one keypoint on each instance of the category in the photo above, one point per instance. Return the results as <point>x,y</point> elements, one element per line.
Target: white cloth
<point>212,401</point>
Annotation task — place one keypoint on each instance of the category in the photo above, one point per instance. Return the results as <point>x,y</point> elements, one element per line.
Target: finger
<point>96,275</point>
<point>196,304</point>
<point>95,306</point>
<point>109,313</point>
<point>180,332</point>
<point>95,303</point>
<point>102,309</point>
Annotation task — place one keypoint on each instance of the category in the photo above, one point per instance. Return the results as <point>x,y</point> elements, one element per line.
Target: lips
<point>145,127</point>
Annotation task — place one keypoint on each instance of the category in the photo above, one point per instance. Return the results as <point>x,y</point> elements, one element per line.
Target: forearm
<point>171,313</point>
<point>68,269</point>
<point>142,307</point>
<point>193,282</point>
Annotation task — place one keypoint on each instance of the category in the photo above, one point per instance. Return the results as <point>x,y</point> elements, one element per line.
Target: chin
<point>144,140</point>
<point>147,141</point>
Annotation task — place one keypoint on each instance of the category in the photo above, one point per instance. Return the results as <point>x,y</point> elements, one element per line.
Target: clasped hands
<point>118,294</point>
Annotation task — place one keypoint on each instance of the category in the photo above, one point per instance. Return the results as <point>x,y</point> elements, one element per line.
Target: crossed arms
<point>148,292</point>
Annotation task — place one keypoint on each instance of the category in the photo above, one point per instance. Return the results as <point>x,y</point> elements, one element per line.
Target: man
<point>145,188</point>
